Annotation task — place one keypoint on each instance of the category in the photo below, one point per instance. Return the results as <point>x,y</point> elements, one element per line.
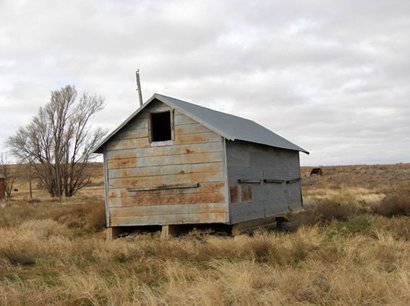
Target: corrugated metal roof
<point>229,126</point>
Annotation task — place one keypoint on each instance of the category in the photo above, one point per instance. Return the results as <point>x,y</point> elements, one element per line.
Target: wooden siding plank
<point>133,133</point>
<point>196,138</point>
<point>181,119</point>
<point>180,149</point>
<point>166,170</point>
<point>116,154</point>
<point>128,144</point>
<point>185,178</point>
<point>169,214</point>
<point>122,163</point>
<point>207,187</point>
<point>193,158</point>
<point>170,219</point>
<point>167,209</point>
<point>172,199</point>
<point>194,128</point>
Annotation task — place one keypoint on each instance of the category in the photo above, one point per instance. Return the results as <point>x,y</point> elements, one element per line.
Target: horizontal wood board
<point>169,214</point>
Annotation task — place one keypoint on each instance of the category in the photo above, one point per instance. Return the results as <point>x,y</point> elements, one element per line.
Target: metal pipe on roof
<point>137,74</point>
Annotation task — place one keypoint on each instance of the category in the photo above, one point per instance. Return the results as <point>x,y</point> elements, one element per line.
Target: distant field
<point>350,246</point>
<point>378,178</point>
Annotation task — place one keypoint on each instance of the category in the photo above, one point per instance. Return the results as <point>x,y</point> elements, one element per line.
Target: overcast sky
<point>331,76</point>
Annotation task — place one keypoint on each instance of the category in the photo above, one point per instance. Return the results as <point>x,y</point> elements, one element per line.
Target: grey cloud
<point>332,77</point>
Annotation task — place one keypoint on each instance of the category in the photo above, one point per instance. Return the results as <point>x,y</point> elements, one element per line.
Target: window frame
<point>150,129</point>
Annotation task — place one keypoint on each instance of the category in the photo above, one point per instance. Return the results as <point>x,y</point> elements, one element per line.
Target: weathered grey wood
<point>213,167</point>
<point>182,208</point>
<point>271,168</point>
<point>181,119</point>
<point>147,199</point>
<point>133,133</point>
<point>180,159</point>
<point>207,218</point>
<point>184,178</point>
<point>128,144</point>
<point>125,153</point>
<point>196,138</point>
<point>247,211</point>
<point>170,214</point>
<point>196,155</point>
<point>191,128</point>
<point>121,163</point>
<point>176,149</point>
<point>157,108</point>
<point>207,187</point>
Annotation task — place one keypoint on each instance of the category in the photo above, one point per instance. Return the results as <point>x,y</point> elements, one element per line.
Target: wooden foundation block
<point>169,231</point>
<point>113,232</point>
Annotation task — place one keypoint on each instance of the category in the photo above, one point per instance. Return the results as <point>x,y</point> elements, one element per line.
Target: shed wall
<point>254,198</point>
<point>134,165</point>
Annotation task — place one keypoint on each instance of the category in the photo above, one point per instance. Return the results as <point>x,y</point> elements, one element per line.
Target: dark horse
<point>316,171</point>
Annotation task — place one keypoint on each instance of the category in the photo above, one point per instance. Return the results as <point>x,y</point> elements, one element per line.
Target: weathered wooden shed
<point>172,162</point>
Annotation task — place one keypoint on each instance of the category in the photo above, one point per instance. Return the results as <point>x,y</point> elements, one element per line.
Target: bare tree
<point>8,174</point>
<point>59,141</point>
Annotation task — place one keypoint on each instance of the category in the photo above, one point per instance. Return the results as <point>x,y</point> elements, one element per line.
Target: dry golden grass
<point>361,261</point>
<point>343,250</point>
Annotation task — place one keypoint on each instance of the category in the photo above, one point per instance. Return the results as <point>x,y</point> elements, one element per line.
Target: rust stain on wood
<point>166,170</point>
<point>196,138</point>
<point>176,210</point>
<point>119,163</point>
<point>173,199</point>
<point>234,194</point>
<point>246,192</point>
<point>112,195</point>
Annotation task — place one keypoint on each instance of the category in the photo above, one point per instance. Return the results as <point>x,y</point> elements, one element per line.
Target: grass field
<point>350,246</point>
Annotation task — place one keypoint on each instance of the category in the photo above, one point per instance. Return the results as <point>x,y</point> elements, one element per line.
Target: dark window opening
<point>161,126</point>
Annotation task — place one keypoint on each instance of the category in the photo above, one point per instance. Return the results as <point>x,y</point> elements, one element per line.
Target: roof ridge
<point>207,108</point>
